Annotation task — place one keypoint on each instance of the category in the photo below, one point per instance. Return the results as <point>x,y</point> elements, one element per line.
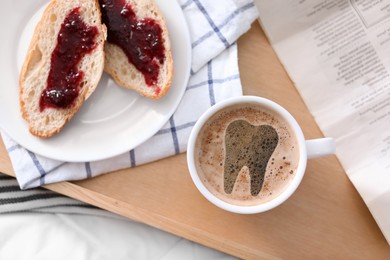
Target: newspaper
<point>337,53</point>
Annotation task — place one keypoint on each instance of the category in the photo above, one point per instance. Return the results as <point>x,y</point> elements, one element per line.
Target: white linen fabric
<point>26,236</point>
<point>214,28</point>
<point>52,226</point>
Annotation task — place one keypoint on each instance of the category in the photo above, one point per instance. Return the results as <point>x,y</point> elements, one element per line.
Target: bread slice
<point>34,74</point>
<point>125,74</point>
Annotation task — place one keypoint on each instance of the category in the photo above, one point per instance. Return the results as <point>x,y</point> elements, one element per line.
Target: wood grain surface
<point>325,218</point>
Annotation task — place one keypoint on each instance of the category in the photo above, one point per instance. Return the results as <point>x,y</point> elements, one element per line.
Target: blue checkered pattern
<point>214,27</point>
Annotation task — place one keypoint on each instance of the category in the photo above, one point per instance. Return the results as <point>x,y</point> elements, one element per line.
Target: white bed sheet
<point>72,236</point>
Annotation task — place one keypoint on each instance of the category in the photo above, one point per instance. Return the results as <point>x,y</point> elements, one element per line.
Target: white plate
<point>113,120</point>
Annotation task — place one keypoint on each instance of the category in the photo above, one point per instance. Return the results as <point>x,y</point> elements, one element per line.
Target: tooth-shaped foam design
<point>251,146</point>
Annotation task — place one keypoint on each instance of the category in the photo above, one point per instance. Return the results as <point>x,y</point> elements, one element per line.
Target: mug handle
<point>320,147</point>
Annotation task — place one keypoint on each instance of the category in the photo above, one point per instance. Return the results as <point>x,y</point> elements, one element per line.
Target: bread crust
<point>34,72</point>
<point>119,68</point>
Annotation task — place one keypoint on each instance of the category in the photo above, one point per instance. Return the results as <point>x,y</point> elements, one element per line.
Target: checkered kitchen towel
<point>214,25</point>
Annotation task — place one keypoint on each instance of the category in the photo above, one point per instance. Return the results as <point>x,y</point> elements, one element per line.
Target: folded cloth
<point>214,28</point>
<point>215,25</point>
<point>40,200</point>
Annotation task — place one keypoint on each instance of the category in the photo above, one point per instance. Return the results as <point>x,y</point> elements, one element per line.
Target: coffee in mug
<point>247,155</point>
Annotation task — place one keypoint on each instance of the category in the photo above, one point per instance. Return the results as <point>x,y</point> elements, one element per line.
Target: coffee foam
<point>250,146</point>
<point>211,164</point>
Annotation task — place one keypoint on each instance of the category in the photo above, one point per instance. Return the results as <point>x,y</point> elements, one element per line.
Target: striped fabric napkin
<point>214,25</point>
<point>40,200</point>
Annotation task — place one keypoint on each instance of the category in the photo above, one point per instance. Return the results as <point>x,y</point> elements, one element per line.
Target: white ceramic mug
<point>307,149</point>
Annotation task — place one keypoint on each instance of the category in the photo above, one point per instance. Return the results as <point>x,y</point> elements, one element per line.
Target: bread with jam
<point>63,65</point>
<point>138,50</point>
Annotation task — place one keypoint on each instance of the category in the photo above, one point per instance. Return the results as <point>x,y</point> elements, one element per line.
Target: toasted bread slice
<point>37,66</point>
<point>117,63</point>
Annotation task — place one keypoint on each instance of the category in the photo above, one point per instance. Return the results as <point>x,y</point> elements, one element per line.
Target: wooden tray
<point>325,218</point>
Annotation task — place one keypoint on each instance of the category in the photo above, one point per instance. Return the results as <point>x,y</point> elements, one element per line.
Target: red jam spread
<point>75,39</point>
<point>140,39</point>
